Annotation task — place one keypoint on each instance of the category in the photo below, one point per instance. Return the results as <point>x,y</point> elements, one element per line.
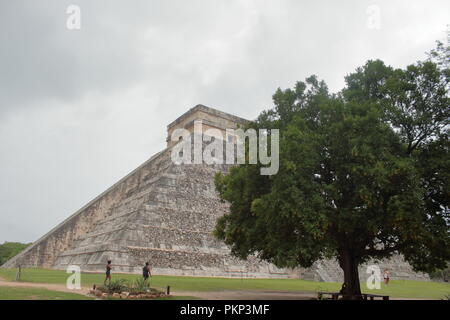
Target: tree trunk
<point>349,264</point>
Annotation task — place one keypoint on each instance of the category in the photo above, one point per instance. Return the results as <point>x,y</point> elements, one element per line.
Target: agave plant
<point>140,286</point>
<point>117,286</point>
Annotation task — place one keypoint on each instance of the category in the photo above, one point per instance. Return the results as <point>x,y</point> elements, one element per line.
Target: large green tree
<point>363,175</point>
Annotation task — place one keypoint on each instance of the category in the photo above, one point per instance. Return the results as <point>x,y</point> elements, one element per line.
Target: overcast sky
<point>79,109</point>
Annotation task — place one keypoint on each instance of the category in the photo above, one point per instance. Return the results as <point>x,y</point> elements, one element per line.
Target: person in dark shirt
<point>108,272</point>
<point>146,271</point>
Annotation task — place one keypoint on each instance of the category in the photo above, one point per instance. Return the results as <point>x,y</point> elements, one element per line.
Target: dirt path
<point>206,295</point>
<point>214,295</point>
<point>48,286</point>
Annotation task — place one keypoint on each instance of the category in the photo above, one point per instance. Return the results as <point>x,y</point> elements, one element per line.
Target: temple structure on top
<point>211,119</point>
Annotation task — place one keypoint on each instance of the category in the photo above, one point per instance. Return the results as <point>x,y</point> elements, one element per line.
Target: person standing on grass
<point>386,277</point>
<point>146,271</point>
<point>108,272</point>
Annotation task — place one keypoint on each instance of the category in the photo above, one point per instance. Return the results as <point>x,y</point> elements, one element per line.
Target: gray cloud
<point>42,60</point>
<point>80,109</point>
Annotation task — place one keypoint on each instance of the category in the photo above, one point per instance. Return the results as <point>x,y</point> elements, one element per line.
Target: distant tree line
<point>10,249</point>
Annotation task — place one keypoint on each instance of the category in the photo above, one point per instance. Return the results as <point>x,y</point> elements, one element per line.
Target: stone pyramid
<point>161,212</point>
<point>165,214</point>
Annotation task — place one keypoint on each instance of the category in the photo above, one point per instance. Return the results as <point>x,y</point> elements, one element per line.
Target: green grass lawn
<point>18,293</point>
<point>178,298</point>
<point>396,288</point>
<point>165,298</point>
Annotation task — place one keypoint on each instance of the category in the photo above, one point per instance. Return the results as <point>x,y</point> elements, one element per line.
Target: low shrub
<point>135,288</point>
<point>140,286</point>
<point>117,286</point>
